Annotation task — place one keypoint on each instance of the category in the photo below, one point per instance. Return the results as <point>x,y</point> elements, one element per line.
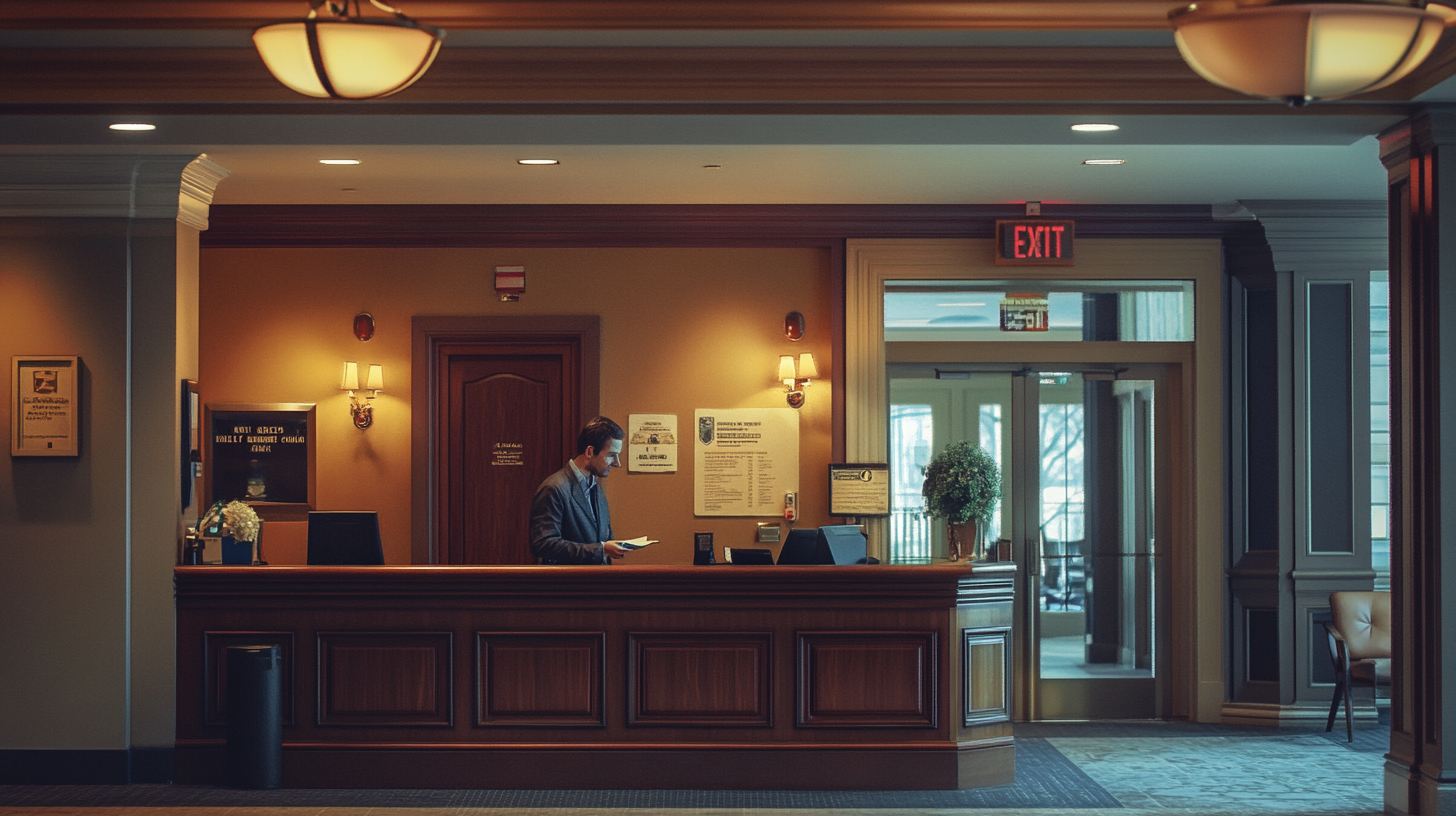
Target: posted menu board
<point>261,453</point>
<point>745,461</point>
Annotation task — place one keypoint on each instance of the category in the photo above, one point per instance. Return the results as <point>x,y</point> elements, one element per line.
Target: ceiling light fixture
<point>1097,162</point>
<point>132,126</point>
<point>951,305</point>
<point>346,56</point>
<point>1299,52</point>
<point>1094,127</point>
<point>338,161</point>
<point>537,162</point>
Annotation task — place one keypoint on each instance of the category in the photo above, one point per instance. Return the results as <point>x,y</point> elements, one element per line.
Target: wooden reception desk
<point>828,678</point>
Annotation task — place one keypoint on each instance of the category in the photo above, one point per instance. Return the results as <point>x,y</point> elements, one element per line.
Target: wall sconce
<point>362,408</point>
<point>345,56</point>
<point>797,382</point>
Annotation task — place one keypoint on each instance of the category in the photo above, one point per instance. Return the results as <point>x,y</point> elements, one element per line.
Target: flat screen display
<point>344,538</point>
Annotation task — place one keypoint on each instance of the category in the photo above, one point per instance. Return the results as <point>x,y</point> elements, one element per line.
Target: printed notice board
<point>745,461</point>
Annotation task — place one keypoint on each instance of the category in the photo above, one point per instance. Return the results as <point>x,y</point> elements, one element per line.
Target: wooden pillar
<point>1420,775</point>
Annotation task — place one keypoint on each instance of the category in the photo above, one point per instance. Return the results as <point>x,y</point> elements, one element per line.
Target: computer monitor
<point>802,547</point>
<point>845,542</point>
<point>833,544</point>
<point>344,537</point>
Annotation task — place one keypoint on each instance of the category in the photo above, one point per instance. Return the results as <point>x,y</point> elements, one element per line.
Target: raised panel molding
<point>987,656</point>
<point>709,679</point>
<point>385,679</point>
<point>214,676</point>
<point>539,679</point>
<point>867,680</point>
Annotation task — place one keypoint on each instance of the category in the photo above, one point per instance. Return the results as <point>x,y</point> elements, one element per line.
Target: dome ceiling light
<point>1300,52</point>
<point>346,56</point>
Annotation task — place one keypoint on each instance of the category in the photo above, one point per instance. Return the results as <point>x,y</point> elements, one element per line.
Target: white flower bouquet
<point>233,518</point>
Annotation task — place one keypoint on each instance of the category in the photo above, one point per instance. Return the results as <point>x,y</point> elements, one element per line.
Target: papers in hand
<point>636,543</point>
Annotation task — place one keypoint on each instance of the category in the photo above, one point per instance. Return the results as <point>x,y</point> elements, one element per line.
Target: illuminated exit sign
<point>1035,242</point>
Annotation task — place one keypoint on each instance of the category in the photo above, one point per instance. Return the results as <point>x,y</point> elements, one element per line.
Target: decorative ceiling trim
<point>89,186</point>
<point>199,181</point>
<point>1325,236</point>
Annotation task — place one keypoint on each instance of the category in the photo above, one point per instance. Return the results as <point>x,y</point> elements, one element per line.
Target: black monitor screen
<point>802,547</point>
<point>344,537</point>
<point>845,542</point>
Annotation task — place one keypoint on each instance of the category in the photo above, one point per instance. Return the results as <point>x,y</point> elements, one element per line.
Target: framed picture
<point>263,454</point>
<point>191,447</point>
<point>45,405</point>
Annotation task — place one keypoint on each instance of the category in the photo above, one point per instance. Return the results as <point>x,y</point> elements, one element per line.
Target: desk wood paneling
<point>868,677</point>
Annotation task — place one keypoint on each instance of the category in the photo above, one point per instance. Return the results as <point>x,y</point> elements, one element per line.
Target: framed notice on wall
<point>45,406</point>
<point>262,454</point>
<point>859,490</point>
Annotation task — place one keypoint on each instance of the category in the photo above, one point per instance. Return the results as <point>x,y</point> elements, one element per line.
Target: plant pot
<point>237,552</point>
<point>966,541</point>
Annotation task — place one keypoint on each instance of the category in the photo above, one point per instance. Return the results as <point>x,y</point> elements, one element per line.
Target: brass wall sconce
<point>362,408</point>
<point>796,381</point>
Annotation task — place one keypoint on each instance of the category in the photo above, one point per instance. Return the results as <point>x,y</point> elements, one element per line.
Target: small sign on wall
<point>45,406</point>
<point>1034,242</point>
<point>652,443</point>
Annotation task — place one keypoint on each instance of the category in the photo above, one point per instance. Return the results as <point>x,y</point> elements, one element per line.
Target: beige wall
<point>63,521</point>
<point>681,329</point>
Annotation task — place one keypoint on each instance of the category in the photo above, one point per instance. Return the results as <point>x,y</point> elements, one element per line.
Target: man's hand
<point>613,549</point>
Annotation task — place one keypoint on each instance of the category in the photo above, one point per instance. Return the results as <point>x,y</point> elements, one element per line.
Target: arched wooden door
<point>508,399</point>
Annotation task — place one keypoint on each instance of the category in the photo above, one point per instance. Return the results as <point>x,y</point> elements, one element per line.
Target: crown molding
<point>170,186</point>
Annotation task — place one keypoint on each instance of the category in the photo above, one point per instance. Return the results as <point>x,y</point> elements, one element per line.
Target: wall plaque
<point>45,406</point>
<point>262,454</point>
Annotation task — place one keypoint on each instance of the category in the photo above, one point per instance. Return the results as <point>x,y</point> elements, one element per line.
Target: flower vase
<point>964,541</point>
<point>236,552</point>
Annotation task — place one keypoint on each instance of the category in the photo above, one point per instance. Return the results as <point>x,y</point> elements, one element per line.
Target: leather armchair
<point>1359,639</point>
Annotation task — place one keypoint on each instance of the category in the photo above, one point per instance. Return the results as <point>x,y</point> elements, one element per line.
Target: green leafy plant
<point>962,483</point>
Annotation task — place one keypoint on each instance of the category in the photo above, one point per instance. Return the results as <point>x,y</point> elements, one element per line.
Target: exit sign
<point>1035,242</point>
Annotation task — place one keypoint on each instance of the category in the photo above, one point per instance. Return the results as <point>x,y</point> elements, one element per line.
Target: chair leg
<point>1349,717</point>
<point>1334,706</point>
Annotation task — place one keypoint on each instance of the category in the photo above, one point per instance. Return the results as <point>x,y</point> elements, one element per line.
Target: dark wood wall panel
<point>214,677</point>
<point>699,678</point>
<point>384,679</point>
<point>539,679</point>
<point>867,679</point>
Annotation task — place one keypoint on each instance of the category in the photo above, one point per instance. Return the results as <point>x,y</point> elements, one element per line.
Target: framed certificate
<point>859,490</point>
<point>45,406</point>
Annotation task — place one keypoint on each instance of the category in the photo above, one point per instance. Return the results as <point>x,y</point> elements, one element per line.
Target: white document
<point>745,461</point>
<point>636,543</point>
<point>652,443</point>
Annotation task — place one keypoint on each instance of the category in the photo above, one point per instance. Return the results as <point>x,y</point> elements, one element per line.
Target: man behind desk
<point>570,523</point>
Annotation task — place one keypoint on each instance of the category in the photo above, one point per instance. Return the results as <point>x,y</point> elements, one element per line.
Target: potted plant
<point>237,524</point>
<point>962,485</point>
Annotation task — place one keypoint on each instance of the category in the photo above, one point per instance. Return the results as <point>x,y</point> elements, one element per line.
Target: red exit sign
<point>1035,242</point>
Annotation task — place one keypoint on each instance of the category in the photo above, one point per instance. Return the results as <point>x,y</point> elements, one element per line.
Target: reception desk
<point>827,678</point>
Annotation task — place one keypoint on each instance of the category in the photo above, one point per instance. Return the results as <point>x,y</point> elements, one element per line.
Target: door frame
<point>429,333</point>
<point>1196,624</point>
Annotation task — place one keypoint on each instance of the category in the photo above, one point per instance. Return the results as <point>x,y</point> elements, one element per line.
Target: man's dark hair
<point>597,434</point>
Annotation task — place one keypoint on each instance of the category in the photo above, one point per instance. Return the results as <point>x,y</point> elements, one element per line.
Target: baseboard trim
<point>576,768</point>
<point>80,767</point>
<point>1274,714</point>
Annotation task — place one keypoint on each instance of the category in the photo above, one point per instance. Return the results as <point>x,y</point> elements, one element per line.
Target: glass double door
<point>1081,508</point>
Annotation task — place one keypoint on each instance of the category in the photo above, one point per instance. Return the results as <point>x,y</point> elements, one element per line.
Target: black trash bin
<point>255,716</point>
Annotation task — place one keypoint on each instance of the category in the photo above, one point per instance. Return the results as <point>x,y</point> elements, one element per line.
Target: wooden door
<point>508,406</point>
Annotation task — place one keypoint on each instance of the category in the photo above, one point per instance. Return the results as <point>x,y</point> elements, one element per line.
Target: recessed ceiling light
<point>712,167</point>
<point>1104,161</point>
<point>132,126</point>
<point>338,161</point>
<point>1094,127</point>
<point>541,162</point>
<point>949,305</point>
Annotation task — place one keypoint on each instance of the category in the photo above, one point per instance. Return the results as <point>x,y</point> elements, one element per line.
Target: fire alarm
<point>510,282</point>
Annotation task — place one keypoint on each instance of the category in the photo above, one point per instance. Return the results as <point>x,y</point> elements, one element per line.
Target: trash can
<point>255,716</point>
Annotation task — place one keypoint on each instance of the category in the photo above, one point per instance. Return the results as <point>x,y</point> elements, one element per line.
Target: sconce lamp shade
<point>348,57</point>
<point>376,378</point>
<point>1306,51</point>
<point>786,368</point>
<point>351,377</point>
<point>807,370</point>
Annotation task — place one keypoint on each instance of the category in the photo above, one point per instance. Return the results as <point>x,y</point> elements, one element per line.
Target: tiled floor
<point>1136,769</point>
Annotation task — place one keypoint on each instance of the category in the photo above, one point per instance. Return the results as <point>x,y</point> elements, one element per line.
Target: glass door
<point>1080,504</point>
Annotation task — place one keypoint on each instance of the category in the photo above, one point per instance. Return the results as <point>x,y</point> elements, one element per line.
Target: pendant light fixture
<point>1300,52</point>
<point>345,56</point>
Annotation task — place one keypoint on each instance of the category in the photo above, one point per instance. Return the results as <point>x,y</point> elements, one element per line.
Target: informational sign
<point>859,490</point>
<point>1035,242</point>
<point>44,406</point>
<point>508,454</point>
<point>745,461</point>
<point>1024,312</point>
<point>260,453</point>
<point>652,443</point>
